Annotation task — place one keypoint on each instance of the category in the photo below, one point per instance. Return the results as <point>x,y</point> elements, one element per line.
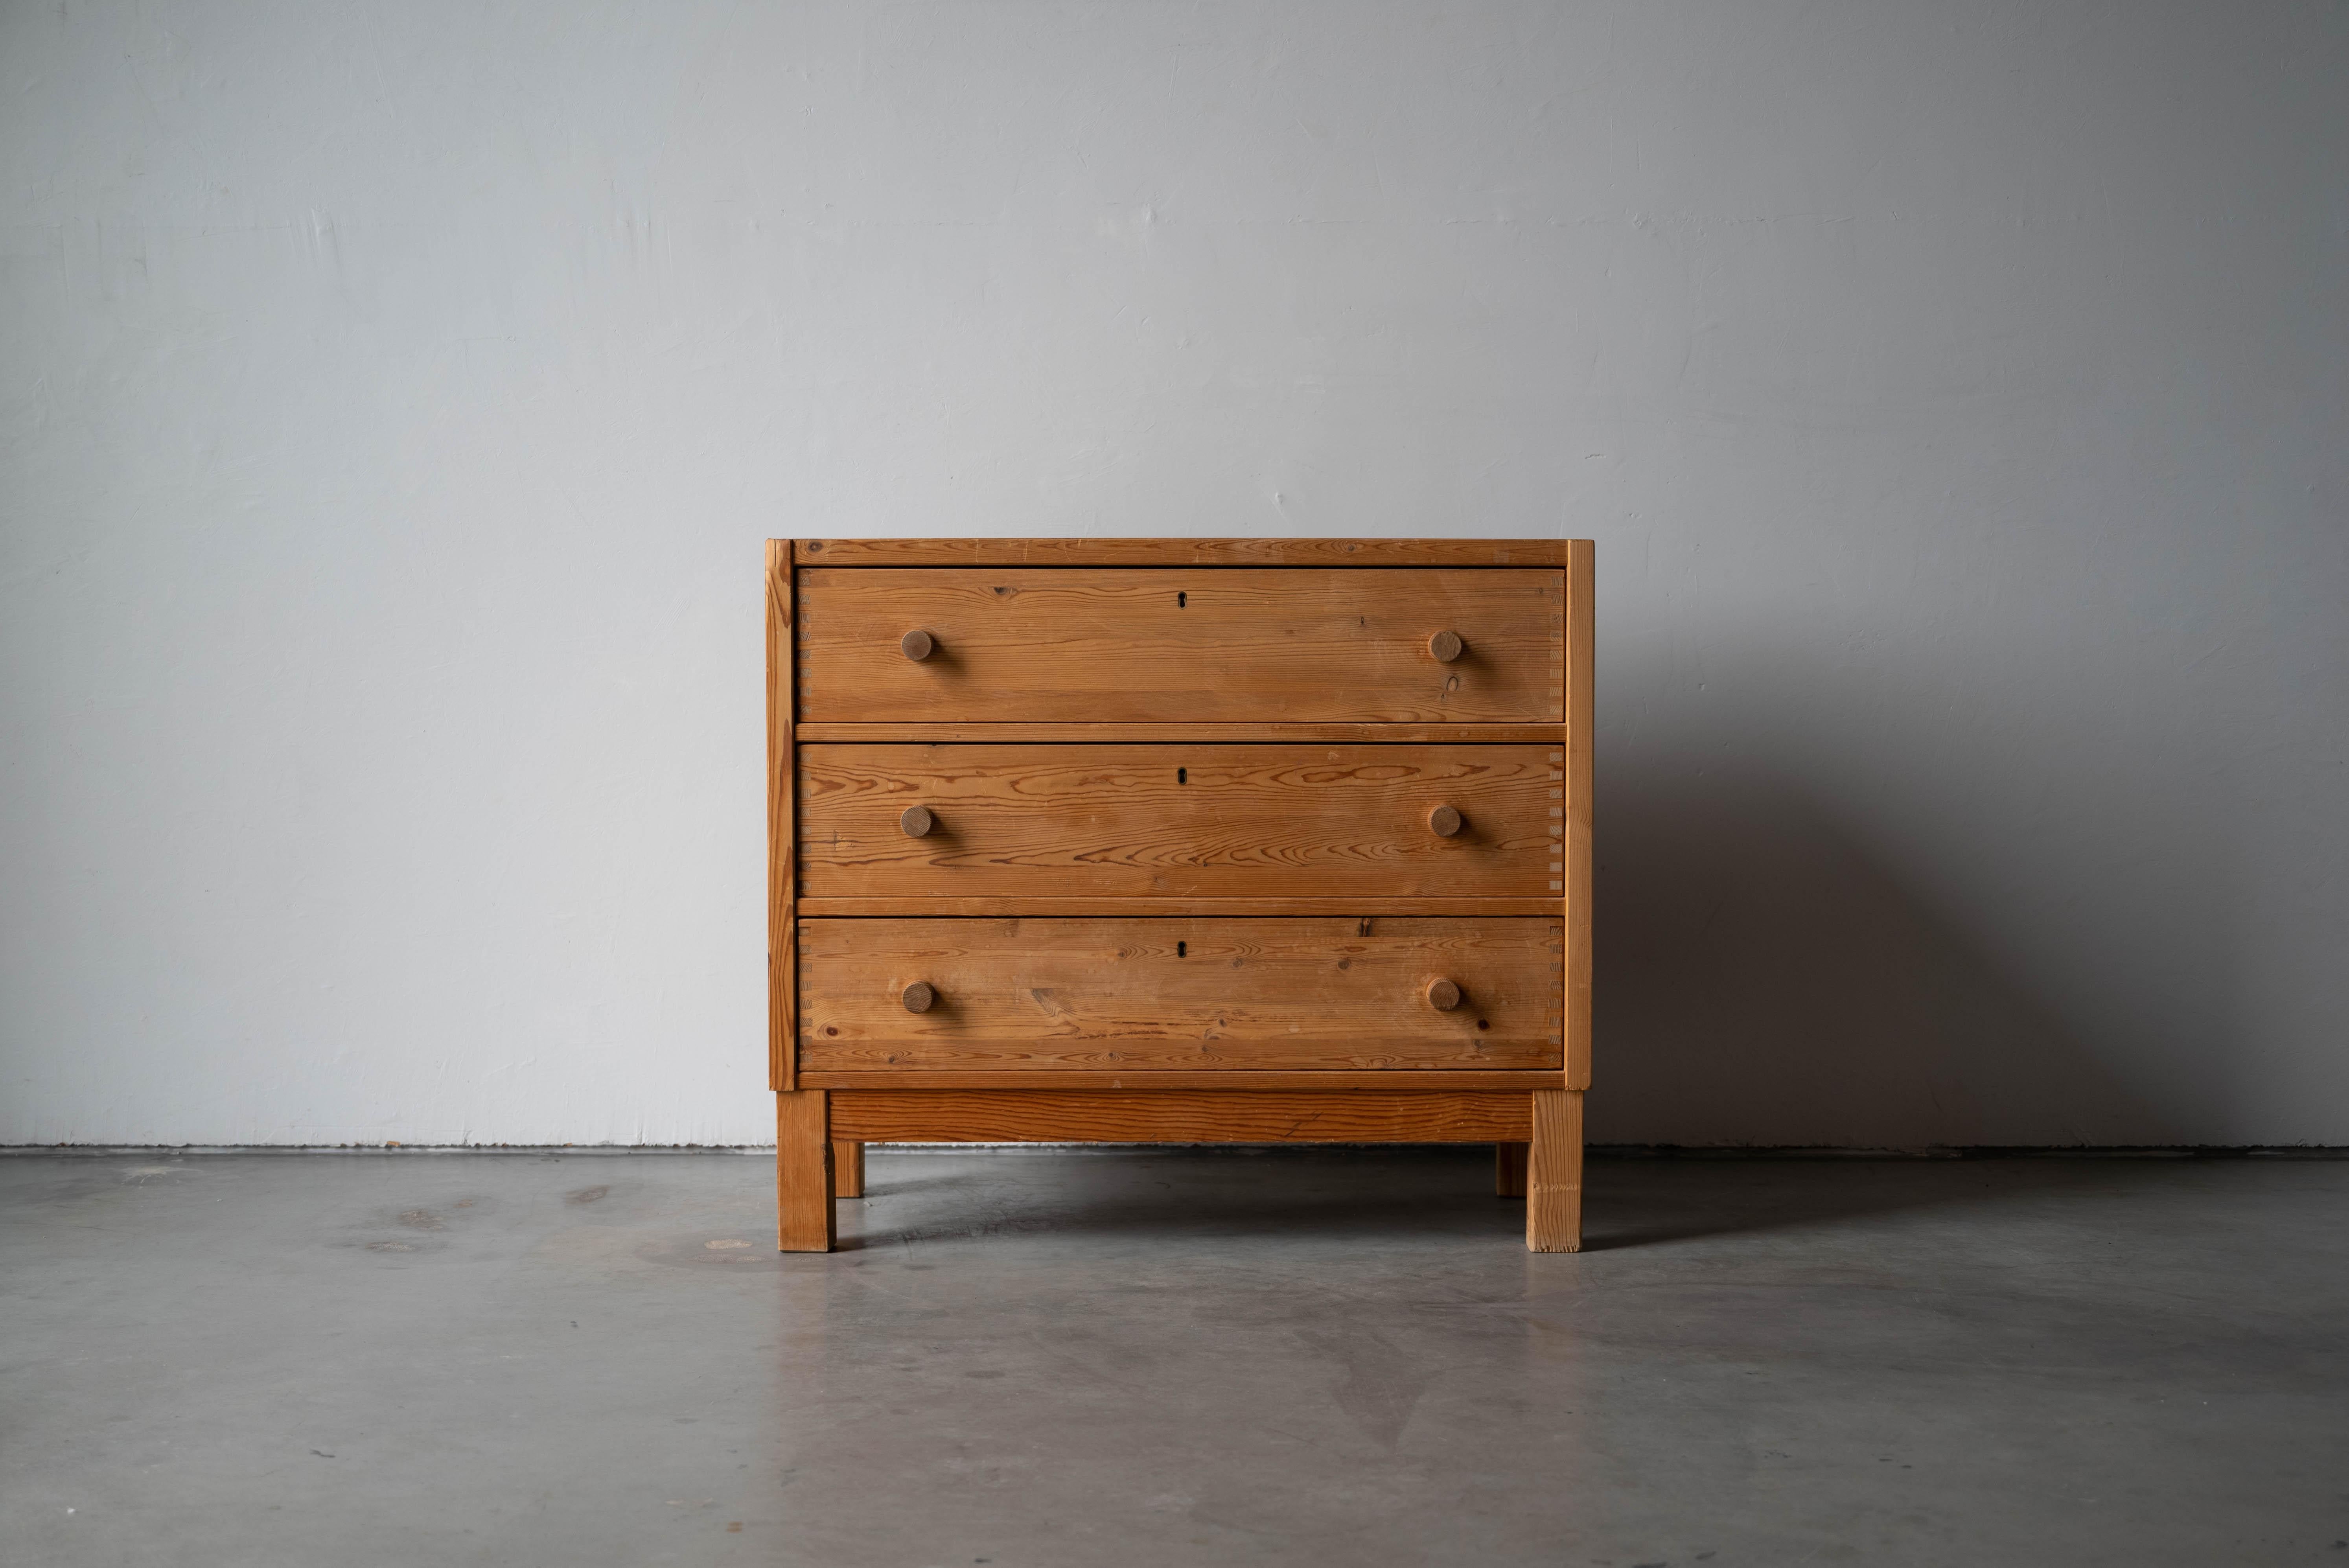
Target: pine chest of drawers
<point>1191,841</point>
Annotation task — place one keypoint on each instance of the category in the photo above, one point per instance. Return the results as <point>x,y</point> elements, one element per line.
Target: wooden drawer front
<point>1019,646</point>
<point>1178,994</point>
<point>1184,822</point>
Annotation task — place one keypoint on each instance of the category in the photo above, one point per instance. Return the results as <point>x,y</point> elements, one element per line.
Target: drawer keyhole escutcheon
<point>921,996</point>
<point>1182,600</point>
<point>917,645</point>
<point>916,821</point>
<point>1446,646</point>
<point>1442,996</point>
<point>1182,775</point>
<point>1182,950</point>
<point>1444,822</point>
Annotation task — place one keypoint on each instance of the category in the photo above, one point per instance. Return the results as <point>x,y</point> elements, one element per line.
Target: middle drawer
<point>1177,820</point>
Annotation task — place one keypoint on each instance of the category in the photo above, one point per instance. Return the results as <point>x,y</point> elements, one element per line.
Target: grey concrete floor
<point>1140,1357</point>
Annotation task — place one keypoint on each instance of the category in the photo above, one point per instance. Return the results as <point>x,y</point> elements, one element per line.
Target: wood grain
<point>1182,552</point>
<point>847,1169</point>
<point>1131,995</point>
<point>1544,906</point>
<point>802,1172</point>
<point>1510,1168</point>
<point>1103,645</point>
<point>782,968</point>
<point>1178,821</point>
<point>1553,1173</point>
<point>1154,734</point>
<point>1481,1080</point>
<point>1064,1116</point>
<point>1581,657</point>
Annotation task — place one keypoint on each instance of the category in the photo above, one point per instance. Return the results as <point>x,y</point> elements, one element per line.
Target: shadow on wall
<point>1762,981</point>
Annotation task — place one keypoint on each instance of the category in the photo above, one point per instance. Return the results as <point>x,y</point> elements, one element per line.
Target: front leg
<point>803,1172</point>
<point>1553,1174</point>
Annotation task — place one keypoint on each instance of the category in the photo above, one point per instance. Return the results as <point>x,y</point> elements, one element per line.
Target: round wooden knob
<point>917,645</point>
<point>1442,995</point>
<point>1446,646</point>
<point>920,994</point>
<point>918,821</point>
<point>1444,822</point>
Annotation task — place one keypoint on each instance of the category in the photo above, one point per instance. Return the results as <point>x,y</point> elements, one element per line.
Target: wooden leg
<point>847,1169</point>
<point>1509,1169</point>
<point>802,1172</point>
<point>1554,1177</point>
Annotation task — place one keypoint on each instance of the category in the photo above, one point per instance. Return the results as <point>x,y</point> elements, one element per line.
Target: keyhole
<point>1182,600</point>
<point>1182,950</point>
<point>1182,775</point>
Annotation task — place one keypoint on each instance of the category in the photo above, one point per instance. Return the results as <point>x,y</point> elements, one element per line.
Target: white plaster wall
<point>393,397</point>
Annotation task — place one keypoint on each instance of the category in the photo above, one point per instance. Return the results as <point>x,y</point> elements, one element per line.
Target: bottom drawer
<point>1180,994</point>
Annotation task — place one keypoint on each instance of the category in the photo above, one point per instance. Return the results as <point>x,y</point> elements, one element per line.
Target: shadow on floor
<point>1411,1192</point>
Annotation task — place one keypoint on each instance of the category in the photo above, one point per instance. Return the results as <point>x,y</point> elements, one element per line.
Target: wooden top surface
<point>1180,551</point>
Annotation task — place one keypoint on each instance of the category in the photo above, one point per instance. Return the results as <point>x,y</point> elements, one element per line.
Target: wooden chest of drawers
<point>1244,841</point>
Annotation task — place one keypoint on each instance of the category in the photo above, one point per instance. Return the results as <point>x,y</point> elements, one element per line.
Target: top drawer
<point>1021,645</point>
